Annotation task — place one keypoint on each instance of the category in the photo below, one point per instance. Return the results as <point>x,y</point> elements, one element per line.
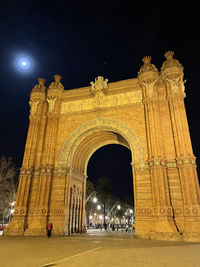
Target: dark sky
<point>83,39</point>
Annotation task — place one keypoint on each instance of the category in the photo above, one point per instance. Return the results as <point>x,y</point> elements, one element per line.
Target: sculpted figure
<point>51,101</point>
<point>40,87</point>
<point>174,82</point>
<point>33,105</point>
<point>149,85</point>
<point>56,84</point>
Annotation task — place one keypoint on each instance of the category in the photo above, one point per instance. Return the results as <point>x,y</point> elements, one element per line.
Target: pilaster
<point>163,225</point>
<point>19,221</point>
<point>172,75</point>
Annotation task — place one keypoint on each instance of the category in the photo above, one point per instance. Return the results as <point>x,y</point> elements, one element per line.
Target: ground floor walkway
<point>96,248</point>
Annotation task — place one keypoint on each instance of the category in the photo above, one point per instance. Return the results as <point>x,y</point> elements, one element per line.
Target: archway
<point>145,114</point>
<point>78,149</point>
<point>109,194</point>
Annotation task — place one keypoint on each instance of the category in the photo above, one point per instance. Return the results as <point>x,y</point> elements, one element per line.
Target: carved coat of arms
<point>99,85</point>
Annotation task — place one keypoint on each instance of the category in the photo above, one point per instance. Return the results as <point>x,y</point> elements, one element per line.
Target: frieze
<point>56,211</point>
<point>157,163</point>
<point>60,171</point>
<point>186,161</point>
<point>171,164</point>
<point>155,211</point>
<point>101,100</point>
<point>28,171</point>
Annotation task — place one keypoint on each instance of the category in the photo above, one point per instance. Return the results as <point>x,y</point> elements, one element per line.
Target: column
<point>172,75</point>
<point>164,226</point>
<point>19,221</point>
<point>47,165</point>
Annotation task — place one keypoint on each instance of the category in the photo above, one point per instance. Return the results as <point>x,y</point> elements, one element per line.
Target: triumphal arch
<point>145,114</point>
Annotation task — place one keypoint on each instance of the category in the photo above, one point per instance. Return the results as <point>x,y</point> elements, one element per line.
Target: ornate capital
<point>51,103</point>
<point>149,88</point>
<point>34,106</point>
<point>176,85</point>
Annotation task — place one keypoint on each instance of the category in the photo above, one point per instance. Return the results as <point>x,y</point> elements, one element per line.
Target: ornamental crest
<point>99,85</point>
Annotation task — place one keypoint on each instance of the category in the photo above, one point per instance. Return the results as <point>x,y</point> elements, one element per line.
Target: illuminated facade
<point>145,114</point>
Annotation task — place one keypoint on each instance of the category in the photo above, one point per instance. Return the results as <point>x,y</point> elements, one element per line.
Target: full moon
<point>23,63</point>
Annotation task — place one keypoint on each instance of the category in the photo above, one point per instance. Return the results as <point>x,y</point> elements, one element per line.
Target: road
<point>96,248</point>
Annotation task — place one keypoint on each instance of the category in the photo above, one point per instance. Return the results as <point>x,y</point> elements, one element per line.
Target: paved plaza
<point>96,248</point>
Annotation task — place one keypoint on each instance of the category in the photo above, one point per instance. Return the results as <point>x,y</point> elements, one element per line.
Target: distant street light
<point>94,200</point>
<point>98,207</point>
<point>118,207</point>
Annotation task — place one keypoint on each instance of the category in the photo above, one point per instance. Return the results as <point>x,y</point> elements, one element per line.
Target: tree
<point>104,192</point>
<point>7,184</point>
<point>90,189</point>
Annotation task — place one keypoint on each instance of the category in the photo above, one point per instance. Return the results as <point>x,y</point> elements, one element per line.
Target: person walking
<point>126,227</point>
<point>49,229</point>
<point>133,227</point>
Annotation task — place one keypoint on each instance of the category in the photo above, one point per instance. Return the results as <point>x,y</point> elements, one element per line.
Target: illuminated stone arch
<point>93,134</point>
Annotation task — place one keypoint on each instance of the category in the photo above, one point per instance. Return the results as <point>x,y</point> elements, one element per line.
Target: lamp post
<point>94,198</point>
<point>12,205</point>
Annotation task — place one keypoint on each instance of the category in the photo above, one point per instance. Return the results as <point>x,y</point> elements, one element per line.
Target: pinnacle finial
<point>146,59</point>
<point>169,54</point>
<point>41,81</point>
<point>57,77</point>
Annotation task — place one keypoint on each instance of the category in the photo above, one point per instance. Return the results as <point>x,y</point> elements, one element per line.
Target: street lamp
<point>94,200</point>
<point>98,207</point>
<point>118,207</point>
<point>12,204</point>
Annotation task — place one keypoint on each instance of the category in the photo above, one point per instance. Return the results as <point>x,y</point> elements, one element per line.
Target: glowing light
<point>99,207</point>
<point>118,207</point>
<point>23,63</point>
<point>95,200</point>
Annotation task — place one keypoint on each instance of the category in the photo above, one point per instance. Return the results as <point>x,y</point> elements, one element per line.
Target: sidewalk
<point>96,249</point>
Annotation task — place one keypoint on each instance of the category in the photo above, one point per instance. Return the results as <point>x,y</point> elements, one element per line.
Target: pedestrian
<point>133,227</point>
<point>126,227</point>
<point>49,229</point>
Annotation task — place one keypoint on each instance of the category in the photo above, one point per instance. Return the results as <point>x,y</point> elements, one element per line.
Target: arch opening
<point>110,164</point>
<point>76,152</point>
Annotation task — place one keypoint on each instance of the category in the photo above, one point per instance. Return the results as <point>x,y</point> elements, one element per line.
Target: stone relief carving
<point>40,87</point>
<point>176,83</point>
<point>57,84</point>
<point>34,105</point>
<point>149,85</point>
<point>51,102</point>
<point>99,85</point>
<point>101,100</point>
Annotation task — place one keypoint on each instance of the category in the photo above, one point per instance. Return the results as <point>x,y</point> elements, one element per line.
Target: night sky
<point>83,39</point>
